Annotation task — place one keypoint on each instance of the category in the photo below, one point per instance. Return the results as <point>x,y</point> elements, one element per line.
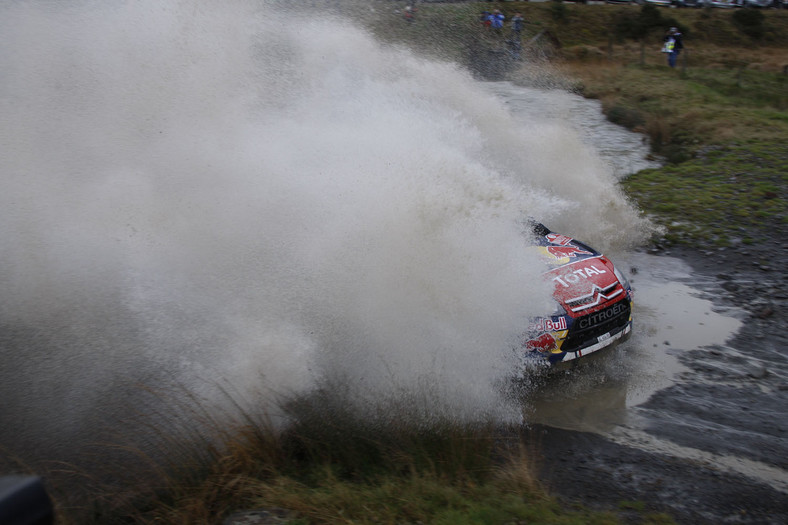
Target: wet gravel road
<point>725,416</point>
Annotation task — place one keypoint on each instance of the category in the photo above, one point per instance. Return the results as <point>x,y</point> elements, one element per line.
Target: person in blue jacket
<point>497,20</point>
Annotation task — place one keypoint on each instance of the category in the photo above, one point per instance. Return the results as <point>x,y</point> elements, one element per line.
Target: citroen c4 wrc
<point>594,302</point>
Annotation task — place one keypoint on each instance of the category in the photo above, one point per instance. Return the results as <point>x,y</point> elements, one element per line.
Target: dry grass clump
<point>658,131</point>
<point>766,59</point>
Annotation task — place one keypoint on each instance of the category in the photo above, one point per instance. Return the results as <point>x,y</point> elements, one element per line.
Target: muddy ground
<point>733,403</point>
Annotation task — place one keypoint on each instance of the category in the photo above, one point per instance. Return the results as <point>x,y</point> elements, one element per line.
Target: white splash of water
<point>214,190</point>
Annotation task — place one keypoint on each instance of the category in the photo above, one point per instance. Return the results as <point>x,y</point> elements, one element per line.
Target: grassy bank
<point>719,120</point>
<point>332,466</point>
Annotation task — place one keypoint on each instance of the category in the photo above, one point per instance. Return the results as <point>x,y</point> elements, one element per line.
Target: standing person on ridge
<point>673,45</point>
<point>497,20</point>
<point>517,24</point>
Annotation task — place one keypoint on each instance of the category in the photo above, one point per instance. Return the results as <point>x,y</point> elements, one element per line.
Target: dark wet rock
<point>766,311</point>
<point>730,286</point>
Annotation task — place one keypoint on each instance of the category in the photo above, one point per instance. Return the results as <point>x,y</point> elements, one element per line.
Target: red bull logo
<point>557,238</point>
<point>559,252</point>
<point>543,343</point>
<point>548,325</point>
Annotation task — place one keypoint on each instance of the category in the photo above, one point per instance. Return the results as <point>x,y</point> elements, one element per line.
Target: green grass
<point>415,499</point>
<point>727,194</point>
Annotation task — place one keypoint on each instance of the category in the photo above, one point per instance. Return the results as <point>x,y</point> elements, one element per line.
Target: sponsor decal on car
<point>557,238</point>
<point>561,252</point>
<point>569,278</point>
<point>548,324</point>
<point>602,316</point>
<point>543,343</point>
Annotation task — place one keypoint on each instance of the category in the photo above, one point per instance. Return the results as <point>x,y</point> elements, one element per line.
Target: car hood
<point>584,281</point>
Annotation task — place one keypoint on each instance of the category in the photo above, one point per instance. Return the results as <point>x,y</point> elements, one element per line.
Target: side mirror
<point>24,501</point>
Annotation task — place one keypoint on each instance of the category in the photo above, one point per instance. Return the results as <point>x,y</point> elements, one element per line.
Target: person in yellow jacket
<point>672,45</point>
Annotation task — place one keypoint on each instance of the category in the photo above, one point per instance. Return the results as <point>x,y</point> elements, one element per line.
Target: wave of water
<point>216,191</point>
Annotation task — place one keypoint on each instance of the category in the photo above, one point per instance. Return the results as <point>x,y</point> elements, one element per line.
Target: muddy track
<point>731,407</point>
<point>586,467</point>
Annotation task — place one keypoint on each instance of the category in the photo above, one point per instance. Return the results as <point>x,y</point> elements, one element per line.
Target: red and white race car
<point>594,309</point>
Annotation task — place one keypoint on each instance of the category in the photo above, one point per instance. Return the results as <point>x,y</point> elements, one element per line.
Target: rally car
<point>594,301</point>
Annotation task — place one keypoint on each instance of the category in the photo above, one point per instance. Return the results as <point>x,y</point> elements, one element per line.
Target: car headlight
<point>620,276</point>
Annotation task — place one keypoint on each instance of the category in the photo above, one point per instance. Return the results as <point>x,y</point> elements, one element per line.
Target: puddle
<point>671,316</point>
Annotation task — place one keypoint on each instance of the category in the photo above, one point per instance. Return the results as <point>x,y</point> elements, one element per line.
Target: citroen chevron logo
<point>597,296</point>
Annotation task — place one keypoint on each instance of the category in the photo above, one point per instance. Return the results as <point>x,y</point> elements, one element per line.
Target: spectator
<point>673,45</point>
<point>408,13</point>
<point>497,20</point>
<point>517,24</point>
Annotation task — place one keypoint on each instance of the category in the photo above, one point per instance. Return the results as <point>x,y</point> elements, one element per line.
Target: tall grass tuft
<point>328,430</point>
<point>659,132</point>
